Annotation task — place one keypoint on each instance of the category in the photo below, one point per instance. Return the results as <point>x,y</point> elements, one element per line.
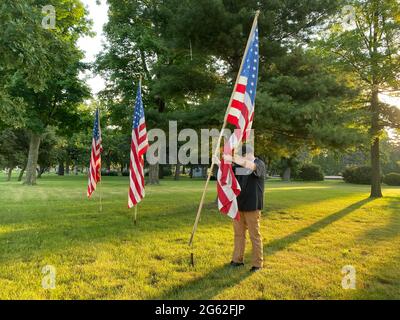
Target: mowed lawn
<point>311,231</point>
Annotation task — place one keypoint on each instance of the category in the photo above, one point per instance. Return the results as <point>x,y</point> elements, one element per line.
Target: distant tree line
<point>318,90</point>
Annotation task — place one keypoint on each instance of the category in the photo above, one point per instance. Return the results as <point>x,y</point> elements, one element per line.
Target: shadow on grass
<point>392,228</point>
<point>209,285</point>
<point>383,280</point>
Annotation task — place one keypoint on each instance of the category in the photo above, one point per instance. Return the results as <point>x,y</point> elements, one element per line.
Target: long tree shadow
<point>392,228</point>
<point>209,285</point>
<point>383,281</point>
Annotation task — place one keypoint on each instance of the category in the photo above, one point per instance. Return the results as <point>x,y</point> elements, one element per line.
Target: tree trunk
<point>269,166</point>
<point>177,171</point>
<point>9,173</point>
<point>204,172</point>
<point>161,172</point>
<point>41,170</point>
<point>153,173</point>
<point>191,172</point>
<point>21,174</point>
<point>33,155</point>
<point>61,169</point>
<point>376,189</point>
<point>287,174</point>
<point>67,164</point>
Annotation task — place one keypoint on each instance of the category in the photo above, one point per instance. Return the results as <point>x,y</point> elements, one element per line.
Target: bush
<point>125,173</point>
<point>106,173</point>
<point>310,172</point>
<point>164,171</point>
<point>358,175</point>
<point>392,179</point>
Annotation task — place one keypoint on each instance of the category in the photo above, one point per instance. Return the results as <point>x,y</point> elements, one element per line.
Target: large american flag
<point>139,146</point>
<point>95,156</point>
<point>241,115</point>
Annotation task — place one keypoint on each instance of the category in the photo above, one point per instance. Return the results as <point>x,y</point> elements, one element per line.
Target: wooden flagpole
<point>219,141</point>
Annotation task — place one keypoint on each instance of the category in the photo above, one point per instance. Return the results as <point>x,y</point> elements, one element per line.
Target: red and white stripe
<point>139,146</point>
<point>95,166</point>
<point>241,112</point>
<point>228,189</point>
<point>241,115</point>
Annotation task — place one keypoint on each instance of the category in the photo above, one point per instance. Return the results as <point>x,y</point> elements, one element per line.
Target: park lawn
<point>310,230</point>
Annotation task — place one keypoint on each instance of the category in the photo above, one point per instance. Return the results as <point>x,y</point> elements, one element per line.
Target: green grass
<point>310,230</point>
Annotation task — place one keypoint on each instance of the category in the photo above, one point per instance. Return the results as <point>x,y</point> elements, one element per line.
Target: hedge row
<point>363,175</point>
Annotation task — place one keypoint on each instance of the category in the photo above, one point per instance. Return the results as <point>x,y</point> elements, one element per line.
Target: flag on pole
<point>241,115</point>
<point>139,146</point>
<point>95,156</point>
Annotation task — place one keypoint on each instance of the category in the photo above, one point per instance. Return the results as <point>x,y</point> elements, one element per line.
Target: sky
<point>91,46</point>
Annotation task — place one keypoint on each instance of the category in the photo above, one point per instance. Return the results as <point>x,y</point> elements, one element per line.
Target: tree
<point>299,102</point>
<point>139,45</point>
<point>24,53</point>
<point>13,148</point>
<point>57,101</point>
<point>47,155</point>
<point>371,51</point>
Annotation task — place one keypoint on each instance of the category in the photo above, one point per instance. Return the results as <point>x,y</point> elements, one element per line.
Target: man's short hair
<point>247,149</point>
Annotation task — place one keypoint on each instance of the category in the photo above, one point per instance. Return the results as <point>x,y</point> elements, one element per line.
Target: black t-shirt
<point>251,197</point>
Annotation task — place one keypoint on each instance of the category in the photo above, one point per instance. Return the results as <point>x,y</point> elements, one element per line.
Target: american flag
<point>241,115</point>
<point>139,146</point>
<point>95,157</point>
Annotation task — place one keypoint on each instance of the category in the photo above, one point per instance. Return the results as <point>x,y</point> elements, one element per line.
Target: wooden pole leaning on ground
<point>215,153</point>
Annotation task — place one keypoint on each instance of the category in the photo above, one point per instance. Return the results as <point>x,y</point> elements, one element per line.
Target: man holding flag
<point>250,175</point>
<point>241,188</point>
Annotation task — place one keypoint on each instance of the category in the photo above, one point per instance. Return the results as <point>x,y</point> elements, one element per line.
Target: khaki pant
<point>248,220</point>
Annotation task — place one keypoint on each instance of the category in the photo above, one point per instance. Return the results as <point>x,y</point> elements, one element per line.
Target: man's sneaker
<point>237,264</point>
<point>255,269</point>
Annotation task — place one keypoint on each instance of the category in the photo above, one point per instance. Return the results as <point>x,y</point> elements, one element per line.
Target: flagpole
<point>135,215</point>
<point>220,139</point>
<point>101,178</point>
<point>100,189</point>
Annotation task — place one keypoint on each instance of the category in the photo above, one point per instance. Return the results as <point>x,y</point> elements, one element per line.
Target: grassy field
<point>310,230</point>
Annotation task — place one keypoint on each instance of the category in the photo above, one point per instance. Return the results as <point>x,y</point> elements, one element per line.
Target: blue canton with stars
<point>96,127</point>
<point>139,109</point>
<point>250,66</point>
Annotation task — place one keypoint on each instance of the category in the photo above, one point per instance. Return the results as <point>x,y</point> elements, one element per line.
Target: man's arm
<point>241,162</point>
